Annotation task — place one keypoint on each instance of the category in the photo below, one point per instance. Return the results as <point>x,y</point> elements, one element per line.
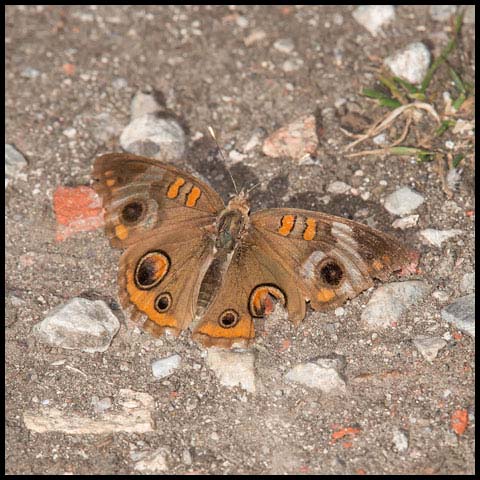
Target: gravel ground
<point>71,74</point>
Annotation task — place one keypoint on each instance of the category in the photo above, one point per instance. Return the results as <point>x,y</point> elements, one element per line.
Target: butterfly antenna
<point>254,187</point>
<point>212,133</point>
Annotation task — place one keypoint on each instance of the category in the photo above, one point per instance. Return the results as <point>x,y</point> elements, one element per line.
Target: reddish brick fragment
<point>77,209</point>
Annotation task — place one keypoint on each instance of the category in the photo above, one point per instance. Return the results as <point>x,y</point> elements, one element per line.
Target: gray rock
<point>403,201</point>
<point>467,284</point>
<point>339,188</point>
<point>390,301</point>
<point>373,17</point>
<point>429,346</point>
<point>14,162</point>
<point>166,366</point>
<point>437,237</point>
<point>148,135</point>
<point>322,374</point>
<point>79,324</point>
<point>400,440</point>
<point>411,63</point>
<point>461,314</point>
<point>143,104</point>
<point>233,368</point>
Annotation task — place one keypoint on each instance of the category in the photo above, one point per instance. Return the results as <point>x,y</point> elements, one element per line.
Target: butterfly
<point>190,260</point>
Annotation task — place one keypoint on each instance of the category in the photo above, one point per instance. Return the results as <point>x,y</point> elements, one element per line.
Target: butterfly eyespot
<point>163,302</point>
<point>262,298</point>
<point>330,273</point>
<point>151,269</point>
<point>228,319</point>
<point>133,212</point>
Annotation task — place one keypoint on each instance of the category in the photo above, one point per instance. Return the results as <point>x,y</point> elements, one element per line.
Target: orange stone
<point>77,209</point>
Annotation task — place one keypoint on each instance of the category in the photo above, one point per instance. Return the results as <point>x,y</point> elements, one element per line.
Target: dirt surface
<point>197,58</point>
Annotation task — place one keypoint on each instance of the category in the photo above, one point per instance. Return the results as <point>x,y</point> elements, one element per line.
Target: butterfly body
<point>192,261</point>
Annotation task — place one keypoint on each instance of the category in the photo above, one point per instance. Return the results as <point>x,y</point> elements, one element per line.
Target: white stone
<point>102,405</point>
<point>187,457</point>
<point>151,460</point>
<point>29,72</point>
<point>380,139</point>
<point>339,188</point>
<point>235,156</point>
<point>429,346</point>
<point>437,237</point>
<point>400,440</point>
<point>441,296</point>
<point>284,45</point>
<point>148,135</point>
<point>390,301</point>
<point>242,21</point>
<point>70,132</point>
<point>467,284</point>
<point>233,368</point>
<point>119,83</point>
<point>454,176</point>
<point>406,222</point>
<point>255,140</point>
<point>292,64</point>
<point>166,366</point>
<point>403,201</point>
<point>411,63</point>
<point>137,419</point>
<point>322,374</point>
<point>79,324</point>
<point>373,17</point>
<point>143,104</point>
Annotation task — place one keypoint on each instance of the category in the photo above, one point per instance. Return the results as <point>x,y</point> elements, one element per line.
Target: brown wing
<point>252,278</point>
<point>296,256</point>
<point>330,258</point>
<point>161,276</point>
<point>141,194</point>
<point>162,214</point>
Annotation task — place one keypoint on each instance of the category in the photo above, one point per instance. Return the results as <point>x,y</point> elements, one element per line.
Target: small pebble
<point>284,45</point>
<point>411,63</point>
<point>165,366</point>
<point>373,17</point>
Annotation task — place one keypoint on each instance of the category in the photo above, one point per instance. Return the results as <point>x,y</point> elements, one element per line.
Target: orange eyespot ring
<point>228,319</point>
<point>151,269</point>
<point>261,303</point>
